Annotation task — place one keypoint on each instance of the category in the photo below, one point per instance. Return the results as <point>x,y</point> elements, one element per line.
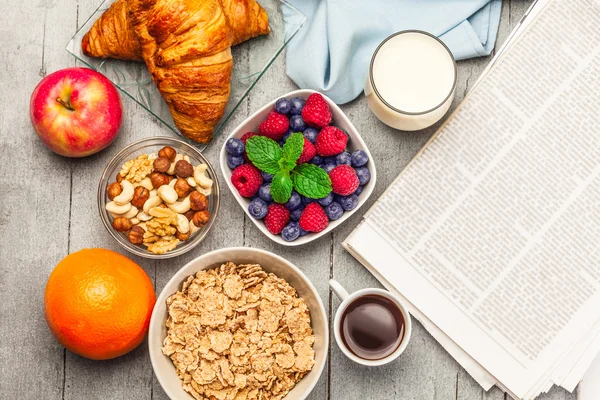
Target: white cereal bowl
<point>163,366</point>
<point>355,142</point>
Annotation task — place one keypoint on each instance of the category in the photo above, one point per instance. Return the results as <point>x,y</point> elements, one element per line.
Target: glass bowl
<point>147,146</point>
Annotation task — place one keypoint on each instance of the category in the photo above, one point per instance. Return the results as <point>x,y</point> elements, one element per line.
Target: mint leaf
<point>281,186</point>
<point>292,149</point>
<point>311,181</point>
<point>286,164</point>
<point>264,153</point>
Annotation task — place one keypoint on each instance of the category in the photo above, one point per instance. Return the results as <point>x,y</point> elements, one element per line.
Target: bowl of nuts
<point>158,197</point>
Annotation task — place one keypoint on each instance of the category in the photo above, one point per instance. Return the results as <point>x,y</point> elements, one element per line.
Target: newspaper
<point>490,233</point>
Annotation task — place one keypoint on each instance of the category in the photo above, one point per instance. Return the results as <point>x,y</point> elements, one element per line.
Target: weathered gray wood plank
<point>50,210</point>
<point>35,198</point>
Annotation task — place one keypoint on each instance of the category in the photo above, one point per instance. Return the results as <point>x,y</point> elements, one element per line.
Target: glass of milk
<point>411,80</point>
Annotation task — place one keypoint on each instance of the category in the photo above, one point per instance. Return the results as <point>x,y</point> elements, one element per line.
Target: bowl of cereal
<point>238,321</point>
<point>158,197</point>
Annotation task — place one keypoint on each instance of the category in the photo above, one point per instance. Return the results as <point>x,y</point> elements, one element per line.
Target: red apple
<point>76,112</point>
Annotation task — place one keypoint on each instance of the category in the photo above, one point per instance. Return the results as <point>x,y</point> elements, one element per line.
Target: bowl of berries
<point>298,167</point>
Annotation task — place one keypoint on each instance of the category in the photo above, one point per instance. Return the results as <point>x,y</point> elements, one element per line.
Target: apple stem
<point>65,104</point>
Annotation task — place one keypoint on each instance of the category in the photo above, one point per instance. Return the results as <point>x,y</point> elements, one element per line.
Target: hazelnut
<point>158,179</point>
<point>201,218</point>
<point>189,215</point>
<point>119,178</point>
<point>167,152</point>
<point>182,188</point>
<point>198,201</point>
<point>183,169</point>
<point>113,190</point>
<point>183,236</point>
<point>122,224</point>
<point>136,235</point>
<point>140,195</point>
<point>162,164</point>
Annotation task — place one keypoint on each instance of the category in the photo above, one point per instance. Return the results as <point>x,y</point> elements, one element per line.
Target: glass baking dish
<point>251,60</point>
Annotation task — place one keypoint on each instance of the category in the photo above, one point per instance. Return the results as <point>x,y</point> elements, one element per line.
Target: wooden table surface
<point>48,210</point>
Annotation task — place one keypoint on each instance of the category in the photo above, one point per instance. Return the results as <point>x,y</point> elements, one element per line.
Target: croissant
<point>113,36</point>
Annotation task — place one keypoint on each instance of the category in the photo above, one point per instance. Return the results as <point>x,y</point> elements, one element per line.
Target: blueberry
<point>359,158</point>
<point>363,174</point>
<point>328,166</point>
<point>343,158</point>
<point>302,232</point>
<point>359,190</point>
<point>297,124</point>
<point>267,177</point>
<point>257,208</point>
<point>325,201</point>
<point>295,215</point>
<point>334,211</point>
<point>297,106</point>
<point>234,161</point>
<point>283,106</point>
<point>281,142</point>
<point>291,232</point>
<point>287,135</point>
<point>311,134</point>
<point>306,200</point>
<point>235,146</point>
<point>316,160</point>
<point>265,192</point>
<point>294,201</point>
<point>349,202</point>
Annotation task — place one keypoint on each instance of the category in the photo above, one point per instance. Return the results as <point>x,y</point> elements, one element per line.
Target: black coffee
<point>372,327</point>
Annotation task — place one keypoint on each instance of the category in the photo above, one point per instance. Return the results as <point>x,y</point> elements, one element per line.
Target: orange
<point>98,303</point>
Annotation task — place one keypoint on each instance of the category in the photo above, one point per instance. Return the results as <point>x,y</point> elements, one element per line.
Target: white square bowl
<point>355,142</point>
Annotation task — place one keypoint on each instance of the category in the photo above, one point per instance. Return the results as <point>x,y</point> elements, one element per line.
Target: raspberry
<point>247,136</point>
<point>275,126</point>
<point>316,111</point>
<point>343,180</point>
<point>331,141</point>
<point>313,218</point>
<point>308,152</point>
<point>244,139</point>
<point>277,217</point>
<point>247,179</point>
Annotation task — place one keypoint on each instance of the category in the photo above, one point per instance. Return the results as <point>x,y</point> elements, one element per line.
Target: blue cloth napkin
<point>332,51</point>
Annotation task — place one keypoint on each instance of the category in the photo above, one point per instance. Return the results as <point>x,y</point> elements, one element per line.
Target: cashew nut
<point>200,178</point>
<point>144,216</point>
<point>126,194</point>
<point>191,181</point>
<point>147,183</point>
<point>143,226</point>
<point>186,158</point>
<point>152,202</point>
<point>133,211</point>
<point>194,228</point>
<point>135,221</point>
<point>171,170</point>
<point>181,207</point>
<point>153,193</point>
<point>173,182</point>
<point>168,194</point>
<point>183,225</point>
<point>205,192</point>
<point>117,208</point>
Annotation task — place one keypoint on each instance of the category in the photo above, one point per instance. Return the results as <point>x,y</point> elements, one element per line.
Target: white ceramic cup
<point>348,299</point>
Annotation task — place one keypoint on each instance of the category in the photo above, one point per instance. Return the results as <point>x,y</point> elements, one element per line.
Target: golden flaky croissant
<point>186,45</point>
<point>113,36</point>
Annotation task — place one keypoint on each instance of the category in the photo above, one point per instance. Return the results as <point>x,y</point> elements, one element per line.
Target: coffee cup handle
<point>338,289</point>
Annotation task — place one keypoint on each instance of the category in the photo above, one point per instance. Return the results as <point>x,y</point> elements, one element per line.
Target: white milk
<point>411,80</point>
